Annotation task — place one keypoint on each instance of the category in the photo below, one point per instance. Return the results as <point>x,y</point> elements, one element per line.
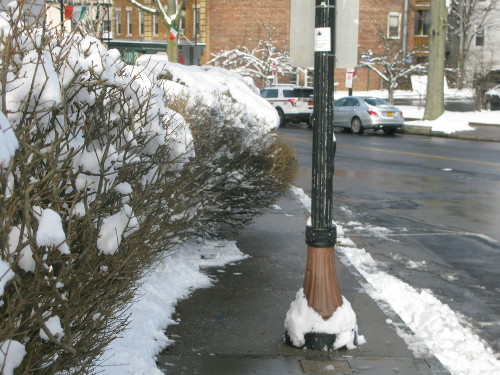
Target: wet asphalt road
<point>439,200</point>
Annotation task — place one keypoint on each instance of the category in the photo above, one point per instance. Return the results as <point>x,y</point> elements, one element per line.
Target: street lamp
<point>320,285</point>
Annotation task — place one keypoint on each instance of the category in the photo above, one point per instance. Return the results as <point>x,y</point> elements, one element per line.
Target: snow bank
<point>434,323</point>
<point>439,328</point>
<point>174,279</point>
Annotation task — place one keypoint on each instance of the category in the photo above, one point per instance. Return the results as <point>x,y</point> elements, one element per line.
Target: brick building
<point>135,32</point>
<point>210,26</point>
<point>227,24</point>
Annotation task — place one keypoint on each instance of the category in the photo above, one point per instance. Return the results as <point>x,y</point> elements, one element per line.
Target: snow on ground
<point>179,273</point>
<point>436,326</point>
<point>434,323</point>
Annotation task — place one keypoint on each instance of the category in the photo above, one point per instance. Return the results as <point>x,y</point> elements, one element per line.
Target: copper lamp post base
<point>321,288</point>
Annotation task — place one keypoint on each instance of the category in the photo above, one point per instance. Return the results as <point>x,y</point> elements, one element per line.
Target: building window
<point>196,23</point>
<point>141,23</point>
<point>423,22</point>
<point>118,17</point>
<point>155,25</point>
<point>394,25</point>
<point>480,38</point>
<point>129,22</point>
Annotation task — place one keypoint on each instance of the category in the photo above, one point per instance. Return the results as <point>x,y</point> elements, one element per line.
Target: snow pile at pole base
<point>302,319</point>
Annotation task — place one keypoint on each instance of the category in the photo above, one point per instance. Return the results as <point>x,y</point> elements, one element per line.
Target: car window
<point>340,102</point>
<point>376,101</point>
<point>351,102</point>
<point>289,93</point>
<point>303,93</point>
<point>269,93</point>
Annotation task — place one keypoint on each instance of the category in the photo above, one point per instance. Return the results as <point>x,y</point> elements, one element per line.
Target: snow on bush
<point>105,169</point>
<point>11,355</point>
<point>8,141</point>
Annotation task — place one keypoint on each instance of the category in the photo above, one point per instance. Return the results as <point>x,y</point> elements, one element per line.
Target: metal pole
<point>62,15</point>
<point>320,282</point>
<point>405,27</point>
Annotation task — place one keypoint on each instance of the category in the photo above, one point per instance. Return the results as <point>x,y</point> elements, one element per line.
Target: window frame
<point>129,22</point>
<point>479,37</point>
<point>394,15</point>
<point>196,22</point>
<point>156,25</point>
<point>141,16</point>
<point>118,21</point>
<point>422,22</point>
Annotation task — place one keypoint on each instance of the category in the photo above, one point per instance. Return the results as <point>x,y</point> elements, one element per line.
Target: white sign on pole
<point>303,38</point>
<point>349,76</point>
<point>322,39</point>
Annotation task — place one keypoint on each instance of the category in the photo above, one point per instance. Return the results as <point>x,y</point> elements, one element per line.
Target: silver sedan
<point>361,112</point>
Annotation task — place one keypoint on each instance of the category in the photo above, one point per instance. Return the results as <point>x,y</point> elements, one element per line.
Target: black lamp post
<point>321,288</point>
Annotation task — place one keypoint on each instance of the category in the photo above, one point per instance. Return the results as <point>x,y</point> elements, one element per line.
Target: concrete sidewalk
<point>236,326</point>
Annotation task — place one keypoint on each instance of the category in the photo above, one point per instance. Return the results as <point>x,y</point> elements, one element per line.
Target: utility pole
<point>434,106</point>
<point>320,285</point>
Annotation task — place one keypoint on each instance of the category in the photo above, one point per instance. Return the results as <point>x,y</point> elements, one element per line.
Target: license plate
<point>390,114</point>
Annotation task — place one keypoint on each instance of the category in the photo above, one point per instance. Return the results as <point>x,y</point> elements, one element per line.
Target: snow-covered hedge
<point>103,168</point>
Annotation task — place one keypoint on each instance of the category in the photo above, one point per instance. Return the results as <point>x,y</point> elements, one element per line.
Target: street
<point>438,203</point>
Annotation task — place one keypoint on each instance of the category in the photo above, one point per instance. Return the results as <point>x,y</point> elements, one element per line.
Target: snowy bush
<point>103,168</point>
<point>239,163</point>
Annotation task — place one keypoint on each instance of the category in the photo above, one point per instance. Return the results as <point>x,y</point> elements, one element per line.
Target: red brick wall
<point>232,23</point>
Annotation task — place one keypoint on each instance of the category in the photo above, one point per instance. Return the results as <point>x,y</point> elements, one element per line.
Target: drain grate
<point>326,367</point>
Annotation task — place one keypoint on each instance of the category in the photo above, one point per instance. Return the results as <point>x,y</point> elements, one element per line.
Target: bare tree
<point>390,63</point>
<point>392,69</point>
<point>434,106</point>
<point>258,62</point>
<point>169,12</point>
<point>468,19</point>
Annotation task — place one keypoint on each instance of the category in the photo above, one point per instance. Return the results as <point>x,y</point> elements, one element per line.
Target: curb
<point>467,135</point>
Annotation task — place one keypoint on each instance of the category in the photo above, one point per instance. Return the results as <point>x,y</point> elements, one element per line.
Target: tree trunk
<point>172,48</point>
<point>173,45</point>
<point>434,106</point>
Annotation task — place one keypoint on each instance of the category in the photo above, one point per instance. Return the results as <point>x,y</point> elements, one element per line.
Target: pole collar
<point>321,237</point>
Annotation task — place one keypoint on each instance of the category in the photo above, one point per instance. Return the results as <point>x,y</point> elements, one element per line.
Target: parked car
<point>293,103</point>
<point>361,112</point>
<point>492,98</point>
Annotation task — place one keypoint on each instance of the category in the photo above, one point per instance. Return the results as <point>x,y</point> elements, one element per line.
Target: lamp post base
<point>320,341</point>
<point>321,288</point>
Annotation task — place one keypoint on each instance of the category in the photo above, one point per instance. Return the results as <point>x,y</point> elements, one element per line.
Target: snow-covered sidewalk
<point>438,329</point>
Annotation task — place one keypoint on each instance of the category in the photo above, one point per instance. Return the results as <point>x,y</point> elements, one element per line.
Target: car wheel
<point>282,116</point>
<point>389,130</point>
<point>356,126</point>
<point>310,122</point>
